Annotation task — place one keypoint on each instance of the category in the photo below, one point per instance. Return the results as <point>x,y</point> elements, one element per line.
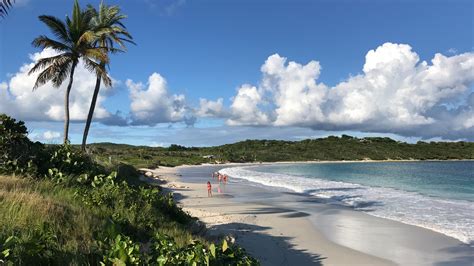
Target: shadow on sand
<point>462,255</point>
<point>270,250</point>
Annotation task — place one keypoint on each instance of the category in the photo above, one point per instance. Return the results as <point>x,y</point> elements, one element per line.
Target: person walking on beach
<point>209,189</point>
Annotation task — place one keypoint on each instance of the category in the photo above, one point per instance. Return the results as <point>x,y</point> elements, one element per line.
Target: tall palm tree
<point>70,46</point>
<point>5,5</point>
<point>107,29</point>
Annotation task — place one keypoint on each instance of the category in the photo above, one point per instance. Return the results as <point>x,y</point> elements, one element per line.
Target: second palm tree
<point>106,30</point>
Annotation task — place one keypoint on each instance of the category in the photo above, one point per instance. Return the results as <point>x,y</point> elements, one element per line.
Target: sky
<point>213,72</point>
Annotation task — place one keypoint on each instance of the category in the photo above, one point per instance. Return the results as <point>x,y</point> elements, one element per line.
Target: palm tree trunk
<point>66,103</point>
<point>91,111</point>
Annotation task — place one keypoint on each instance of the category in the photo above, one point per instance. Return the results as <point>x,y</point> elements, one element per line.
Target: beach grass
<point>50,219</point>
<point>43,216</point>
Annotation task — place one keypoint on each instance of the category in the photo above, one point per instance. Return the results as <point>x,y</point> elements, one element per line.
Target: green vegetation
<point>58,206</point>
<point>323,149</point>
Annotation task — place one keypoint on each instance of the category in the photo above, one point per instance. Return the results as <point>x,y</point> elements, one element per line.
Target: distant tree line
<point>321,149</point>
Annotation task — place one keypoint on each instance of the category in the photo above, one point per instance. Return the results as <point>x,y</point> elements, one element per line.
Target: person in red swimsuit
<point>209,189</point>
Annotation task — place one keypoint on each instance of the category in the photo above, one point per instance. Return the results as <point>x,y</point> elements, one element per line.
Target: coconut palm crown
<point>107,31</point>
<point>107,28</point>
<point>70,46</point>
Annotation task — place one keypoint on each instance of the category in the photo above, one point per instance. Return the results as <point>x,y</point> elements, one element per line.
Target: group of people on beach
<point>221,178</point>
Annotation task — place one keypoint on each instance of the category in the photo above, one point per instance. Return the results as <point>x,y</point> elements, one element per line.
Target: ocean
<point>437,195</point>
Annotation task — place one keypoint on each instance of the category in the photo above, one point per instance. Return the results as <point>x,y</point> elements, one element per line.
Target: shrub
<point>122,251</point>
<point>16,150</point>
<point>165,252</point>
<point>70,162</point>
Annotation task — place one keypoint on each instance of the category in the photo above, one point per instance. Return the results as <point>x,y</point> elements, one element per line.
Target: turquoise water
<point>451,180</point>
<point>435,195</point>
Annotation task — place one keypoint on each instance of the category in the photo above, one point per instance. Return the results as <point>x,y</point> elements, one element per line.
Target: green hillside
<point>322,149</point>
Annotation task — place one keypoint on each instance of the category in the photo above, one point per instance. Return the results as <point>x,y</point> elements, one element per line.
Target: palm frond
<point>54,60</point>
<point>76,15</point>
<point>97,53</point>
<point>5,5</point>
<point>116,50</point>
<point>92,10</point>
<point>56,26</point>
<point>88,37</point>
<point>99,70</point>
<point>62,72</point>
<point>45,42</point>
<point>46,75</point>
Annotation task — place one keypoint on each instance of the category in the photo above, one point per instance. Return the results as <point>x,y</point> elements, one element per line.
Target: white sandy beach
<point>273,228</point>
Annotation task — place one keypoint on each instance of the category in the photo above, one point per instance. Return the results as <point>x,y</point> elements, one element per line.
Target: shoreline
<point>309,162</point>
<point>293,232</point>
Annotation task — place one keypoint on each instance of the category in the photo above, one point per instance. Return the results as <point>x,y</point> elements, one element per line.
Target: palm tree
<point>4,6</point>
<point>70,46</point>
<point>106,29</point>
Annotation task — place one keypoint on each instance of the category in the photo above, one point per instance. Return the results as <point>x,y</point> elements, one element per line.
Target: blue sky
<point>209,49</point>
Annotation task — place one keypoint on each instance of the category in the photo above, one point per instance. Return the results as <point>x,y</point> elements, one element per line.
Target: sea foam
<point>454,218</point>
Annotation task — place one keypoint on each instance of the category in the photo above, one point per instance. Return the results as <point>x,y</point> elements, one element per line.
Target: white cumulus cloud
<point>209,108</point>
<point>152,104</point>
<point>245,108</point>
<point>51,135</point>
<point>47,136</point>
<point>295,93</point>
<point>395,93</point>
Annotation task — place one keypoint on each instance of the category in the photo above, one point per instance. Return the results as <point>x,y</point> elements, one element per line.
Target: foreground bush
<point>16,150</point>
<point>44,222</point>
<point>67,209</point>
